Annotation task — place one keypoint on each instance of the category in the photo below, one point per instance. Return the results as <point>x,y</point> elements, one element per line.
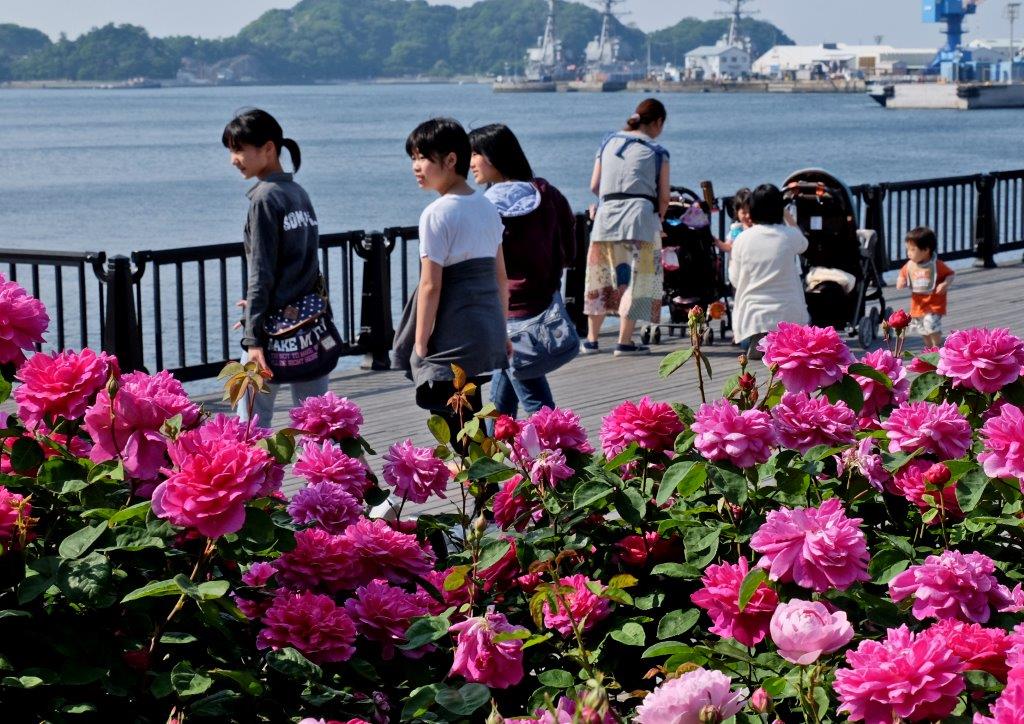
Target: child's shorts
<point>928,324</point>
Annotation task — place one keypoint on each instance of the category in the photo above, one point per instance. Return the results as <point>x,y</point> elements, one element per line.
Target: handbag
<point>543,343</point>
<point>302,341</point>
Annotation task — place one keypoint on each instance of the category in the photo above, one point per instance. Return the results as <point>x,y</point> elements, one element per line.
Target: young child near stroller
<point>928,278</point>
<point>741,214</point>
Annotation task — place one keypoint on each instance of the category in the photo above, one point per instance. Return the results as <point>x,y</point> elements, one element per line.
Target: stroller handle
<point>685,193</point>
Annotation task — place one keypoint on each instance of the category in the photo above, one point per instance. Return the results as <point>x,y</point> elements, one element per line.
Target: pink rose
<point>697,696</point>
<point>23,321</point>
<point>938,429</point>
<point>806,357</point>
<point>720,598</point>
<point>653,426</point>
<point>60,385</point>
<point>128,427</point>
<point>15,518</point>
<point>415,472</point>
<point>585,608</point>
<point>724,433</point>
<point>480,659</point>
<point>804,630</point>
<point>981,359</point>
<point>952,585</point>
<point>311,623</point>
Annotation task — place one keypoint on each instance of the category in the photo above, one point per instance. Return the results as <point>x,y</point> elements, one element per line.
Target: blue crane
<point>952,13</point>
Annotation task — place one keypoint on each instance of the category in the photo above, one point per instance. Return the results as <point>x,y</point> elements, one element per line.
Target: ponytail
<point>255,127</point>
<point>293,151</point>
<point>648,112</point>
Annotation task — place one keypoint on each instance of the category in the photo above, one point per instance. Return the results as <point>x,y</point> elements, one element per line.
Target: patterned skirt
<point>624,278</point>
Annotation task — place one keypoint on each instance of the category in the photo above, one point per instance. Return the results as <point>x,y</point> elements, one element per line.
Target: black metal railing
<point>175,309</point>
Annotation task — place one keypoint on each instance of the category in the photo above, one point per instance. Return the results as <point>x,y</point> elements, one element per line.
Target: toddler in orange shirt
<point>928,278</point>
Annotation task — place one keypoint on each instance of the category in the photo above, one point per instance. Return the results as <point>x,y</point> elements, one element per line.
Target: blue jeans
<point>507,393</point>
<point>263,408</point>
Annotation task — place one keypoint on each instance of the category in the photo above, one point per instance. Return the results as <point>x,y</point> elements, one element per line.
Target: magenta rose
<point>878,397</point>
<point>15,518</point>
<point>415,473</point>
<point>128,428</point>
<point>559,429</point>
<point>952,585</point>
<point>481,659</point>
<point>311,623</point>
<point>938,429</point>
<point>907,676</point>
<point>60,385</point>
<point>23,321</point>
<point>327,417</point>
<point>653,426</point>
<point>326,462</point>
<point>383,613</point>
<point>1003,437</point>
<point>805,357</point>
<point>720,598</point>
<point>804,422</point>
<point>582,605</point>
<point>722,432</point>
<point>208,492</point>
<point>982,359</point>
<point>803,631</point>
<point>817,548</point>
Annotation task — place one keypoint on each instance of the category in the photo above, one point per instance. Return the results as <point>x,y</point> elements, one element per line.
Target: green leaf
<point>294,665</point>
<point>155,588</point>
<point>485,468</point>
<point>676,570</point>
<point>666,648</point>
<point>516,634</point>
<point>970,489</point>
<point>76,544</point>
<point>21,682</point>
<point>674,360</point>
<point>682,479</point>
<point>630,634</point>
<point>707,364</point>
<point>248,683</point>
<point>631,505</point>
<point>846,390</point>
<point>556,678</point>
<point>750,584</point>
<point>624,457</point>
<point>187,681</point>
<point>139,510</point>
<point>924,386</point>
<point>87,580</point>
<point>178,637</point>
<point>26,455</point>
<point>219,704</point>
<point>419,702</point>
<point>439,429</point>
<point>492,553</point>
<point>465,700</point>
<point>732,484</point>
<point>863,370</point>
<point>212,590</point>
<point>591,492</point>
<point>5,390</point>
<point>425,630</point>
<point>40,574</point>
<point>675,623</point>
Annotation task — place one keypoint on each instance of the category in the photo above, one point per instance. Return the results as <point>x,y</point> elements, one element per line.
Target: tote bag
<point>543,343</point>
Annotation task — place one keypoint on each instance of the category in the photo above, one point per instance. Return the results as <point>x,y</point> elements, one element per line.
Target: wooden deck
<point>592,385</point>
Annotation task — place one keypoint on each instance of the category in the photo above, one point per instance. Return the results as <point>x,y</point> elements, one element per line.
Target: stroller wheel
<point>645,336</point>
<point>709,337</point>
<point>657,335</point>
<point>876,320</point>
<point>865,332</point>
<point>722,329</point>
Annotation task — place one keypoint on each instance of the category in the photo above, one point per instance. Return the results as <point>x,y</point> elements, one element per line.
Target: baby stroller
<point>841,279</point>
<point>694,274</point>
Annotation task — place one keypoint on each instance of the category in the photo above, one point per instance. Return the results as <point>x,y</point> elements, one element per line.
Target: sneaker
<point>631,350</point>
<point>588,347</point>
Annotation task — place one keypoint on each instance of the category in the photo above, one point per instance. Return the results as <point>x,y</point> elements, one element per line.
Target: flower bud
<point>710,714</point>
<point>761,701</point>
<point>742,359</point>
<point>505,428</point>
<point>898,320</point>
<point>937,475</point>
<point>696,313</point>
<point>480,524</point>
<point>747,382</point>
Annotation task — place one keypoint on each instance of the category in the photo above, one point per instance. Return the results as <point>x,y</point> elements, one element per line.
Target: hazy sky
<point>806,21</point>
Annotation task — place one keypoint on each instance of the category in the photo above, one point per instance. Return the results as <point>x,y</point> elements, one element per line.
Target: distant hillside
<point>672,44</point>
<point>347,39</point>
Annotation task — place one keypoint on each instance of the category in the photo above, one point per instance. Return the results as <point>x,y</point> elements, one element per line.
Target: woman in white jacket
<point>765,272</point>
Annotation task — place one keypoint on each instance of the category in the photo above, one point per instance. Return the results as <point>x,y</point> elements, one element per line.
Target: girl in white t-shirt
<point>458,313</point>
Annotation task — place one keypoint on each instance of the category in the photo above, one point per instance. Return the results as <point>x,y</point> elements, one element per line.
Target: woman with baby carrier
<point>539,241</point>
<point>624,277</point>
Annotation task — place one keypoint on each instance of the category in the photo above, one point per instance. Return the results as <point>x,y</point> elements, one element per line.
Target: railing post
<point>122,336</point>
<point>376,328</point>
<point>985,231</point>
<point>576,274</point>
<point>874,219</point>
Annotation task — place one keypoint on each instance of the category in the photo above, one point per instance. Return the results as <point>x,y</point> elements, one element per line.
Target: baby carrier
<point>841,279</point>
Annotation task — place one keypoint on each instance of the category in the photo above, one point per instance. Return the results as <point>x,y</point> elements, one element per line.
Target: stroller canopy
<point>820,176</point>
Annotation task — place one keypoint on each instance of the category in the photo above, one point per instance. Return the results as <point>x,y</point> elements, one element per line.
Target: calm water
<point>129,170</point>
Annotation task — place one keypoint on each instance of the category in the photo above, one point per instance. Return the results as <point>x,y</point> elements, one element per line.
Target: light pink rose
<point>804,630</point>
<point>682,700</point>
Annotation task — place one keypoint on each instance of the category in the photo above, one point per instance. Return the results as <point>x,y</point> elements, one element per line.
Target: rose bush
<point>833,540</point>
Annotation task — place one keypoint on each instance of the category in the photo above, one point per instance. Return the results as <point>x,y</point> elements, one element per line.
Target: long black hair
<point>500,146</point>
<point>650,111</point>
<point>254,127</point>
